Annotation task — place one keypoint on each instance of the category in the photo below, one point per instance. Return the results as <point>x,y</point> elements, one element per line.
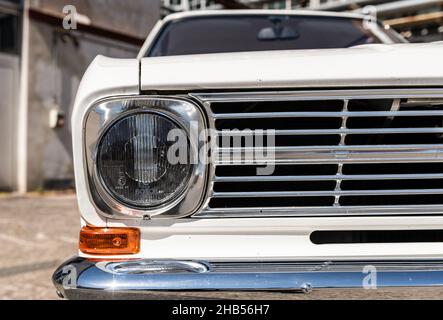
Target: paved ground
<point>38,232</point>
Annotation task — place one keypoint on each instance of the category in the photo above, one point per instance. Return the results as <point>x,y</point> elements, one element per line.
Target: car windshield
<point>217,34</point>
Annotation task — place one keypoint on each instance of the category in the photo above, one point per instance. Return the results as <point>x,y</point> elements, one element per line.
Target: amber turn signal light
<point>109,241</point>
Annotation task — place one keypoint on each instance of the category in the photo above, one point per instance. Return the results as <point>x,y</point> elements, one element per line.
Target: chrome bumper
<point>81,278</point>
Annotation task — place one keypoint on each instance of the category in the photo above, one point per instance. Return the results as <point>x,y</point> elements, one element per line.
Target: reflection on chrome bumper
<point>81,278</point>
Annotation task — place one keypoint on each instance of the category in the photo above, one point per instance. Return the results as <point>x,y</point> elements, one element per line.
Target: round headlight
<point>133,165</point>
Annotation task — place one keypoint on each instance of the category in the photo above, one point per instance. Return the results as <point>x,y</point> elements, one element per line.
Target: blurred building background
<point>41,64</point>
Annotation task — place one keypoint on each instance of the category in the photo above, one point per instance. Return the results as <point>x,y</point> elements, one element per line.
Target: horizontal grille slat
<point>412,147</point>
<point>325,210</point>
<point>335,131</point>
<point>370,154</point>
<point>327,114</point>
<point>324,193</point>
<point>335,177</point>
<point>361,152</point>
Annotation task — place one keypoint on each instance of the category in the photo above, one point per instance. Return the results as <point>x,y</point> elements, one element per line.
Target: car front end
<point>292,171</point>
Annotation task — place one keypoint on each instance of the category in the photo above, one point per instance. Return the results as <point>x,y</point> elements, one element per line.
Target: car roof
<point>203,13</point>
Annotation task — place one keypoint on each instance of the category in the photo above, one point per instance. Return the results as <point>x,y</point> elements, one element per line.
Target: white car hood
<point>362,66</point>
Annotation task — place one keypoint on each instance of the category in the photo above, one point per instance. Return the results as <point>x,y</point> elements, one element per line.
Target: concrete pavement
<point>38,232</point>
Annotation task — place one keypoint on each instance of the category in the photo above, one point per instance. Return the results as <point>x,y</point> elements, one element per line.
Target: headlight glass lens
<point>133,164</point>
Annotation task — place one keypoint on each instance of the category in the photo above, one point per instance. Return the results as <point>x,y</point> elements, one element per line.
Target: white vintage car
<point>259,151</point>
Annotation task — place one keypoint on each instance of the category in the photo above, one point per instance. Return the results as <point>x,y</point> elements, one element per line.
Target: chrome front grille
<point>359,152</point>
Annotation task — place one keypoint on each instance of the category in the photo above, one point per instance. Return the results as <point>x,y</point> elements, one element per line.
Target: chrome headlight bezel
<point>105,113</point>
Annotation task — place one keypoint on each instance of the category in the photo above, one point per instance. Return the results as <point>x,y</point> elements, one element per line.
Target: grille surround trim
<point>337,154</point>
